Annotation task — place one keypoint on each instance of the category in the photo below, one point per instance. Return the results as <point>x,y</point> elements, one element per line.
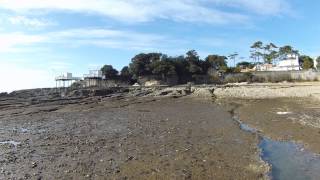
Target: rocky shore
<point>183,132</point>
<point>122,133</point>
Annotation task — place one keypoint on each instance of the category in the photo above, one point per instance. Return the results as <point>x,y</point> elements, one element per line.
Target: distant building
<point>66,79</point>
<point>93,79</point>
<point>263,67</point>
<point>286,63</point>
<point>93,74</point>
<point>315,63</point>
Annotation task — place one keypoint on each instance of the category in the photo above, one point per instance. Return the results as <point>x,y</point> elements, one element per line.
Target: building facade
<point>287,63</point>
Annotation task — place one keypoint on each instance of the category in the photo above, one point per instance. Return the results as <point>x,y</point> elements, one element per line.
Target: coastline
<point>193,127</point>
<point>127,137</point>
<point>271,90</point>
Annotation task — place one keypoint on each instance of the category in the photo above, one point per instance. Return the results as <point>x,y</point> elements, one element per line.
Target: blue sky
<point>40,39</point>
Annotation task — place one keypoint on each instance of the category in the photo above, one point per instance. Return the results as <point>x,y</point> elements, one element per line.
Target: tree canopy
<point>216,62</point>
<point>141,64</point>
<point>109,72</point>
<point>306,62</point>
<point>190,66</point>
<point>318,62</point>
<point>162,66</point>
<point>287,50</point>
<point>245,64</point>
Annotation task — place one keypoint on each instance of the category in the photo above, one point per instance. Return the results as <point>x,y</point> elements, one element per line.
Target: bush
<point>238,78</point>
<point>272,78</point>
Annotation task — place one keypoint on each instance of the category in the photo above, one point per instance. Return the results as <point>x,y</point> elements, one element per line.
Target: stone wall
<point>272,76</point>
<point>292,75</point>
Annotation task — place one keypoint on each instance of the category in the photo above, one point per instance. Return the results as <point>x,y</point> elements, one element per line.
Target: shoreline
<point>285,136</point>
<point>138,117</point>
<point>271,90</point>
<point>137,138</point>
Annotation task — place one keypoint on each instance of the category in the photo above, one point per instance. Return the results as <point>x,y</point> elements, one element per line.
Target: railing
<point>92,76</point>
<point>64,78</point>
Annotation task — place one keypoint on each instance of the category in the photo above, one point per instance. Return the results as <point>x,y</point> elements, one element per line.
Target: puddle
<point>284,113</point>
<point>287,159</point>
<point>247,128</point>
<point>14,143</point>
<point>18,130</point>
<point>24,130</point>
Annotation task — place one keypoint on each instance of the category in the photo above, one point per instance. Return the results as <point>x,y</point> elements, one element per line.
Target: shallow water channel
<point>288,160</point>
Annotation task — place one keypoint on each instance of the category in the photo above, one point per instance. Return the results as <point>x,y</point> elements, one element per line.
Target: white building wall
<point>315,63</point>
<point>290,63</point>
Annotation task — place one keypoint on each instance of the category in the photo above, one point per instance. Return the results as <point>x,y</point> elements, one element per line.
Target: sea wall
<point>270,90</point>
<point>290,75</point>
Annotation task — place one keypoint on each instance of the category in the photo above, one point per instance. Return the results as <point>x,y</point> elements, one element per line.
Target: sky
<point>40,39</point>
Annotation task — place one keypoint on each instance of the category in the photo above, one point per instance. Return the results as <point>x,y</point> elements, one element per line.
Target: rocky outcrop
<point>3,94</point>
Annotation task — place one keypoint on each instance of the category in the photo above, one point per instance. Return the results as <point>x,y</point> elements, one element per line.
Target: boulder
<point>152,83</point>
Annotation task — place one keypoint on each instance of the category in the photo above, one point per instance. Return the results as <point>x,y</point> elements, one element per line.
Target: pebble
<point>34,164</point>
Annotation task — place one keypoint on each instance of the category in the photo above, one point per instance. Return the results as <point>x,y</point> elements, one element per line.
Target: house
<point>315,63</point>
<point>287,63</point>
<point>263,67</point>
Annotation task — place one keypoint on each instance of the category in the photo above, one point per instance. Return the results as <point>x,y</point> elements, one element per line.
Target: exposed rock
<point>5,94</point>
<point>203,92</point>
<point>136,85</point>
<point>152,83</point>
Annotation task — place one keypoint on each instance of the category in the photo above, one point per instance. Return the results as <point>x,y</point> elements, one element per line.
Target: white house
<point>287,63</point>
<point>315,63</point>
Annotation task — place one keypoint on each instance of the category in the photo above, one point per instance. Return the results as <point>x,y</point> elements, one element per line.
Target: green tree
<point>256,52</point>
<point>194,62</point>
<point>140,64</point>
<point>233,57</point>
<point>125,73</point>
<point>192,56</point>
<point>216,62</point>
<point>318,62</point>
<point>163,68</point>
<point>270,53</point>
<point>306,62</point>
<point>109,72</point>
<point>245,64</point>
<point>182,68</point>
<point>287,50</point>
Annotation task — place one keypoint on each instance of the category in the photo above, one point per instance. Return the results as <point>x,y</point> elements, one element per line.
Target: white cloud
<point>205,11</point>
<point>107,38</point>
<point>135,10</point>
<point>29,22</point>
<point>264,7</point>
<point>12,42</point>
<point>111,38</point>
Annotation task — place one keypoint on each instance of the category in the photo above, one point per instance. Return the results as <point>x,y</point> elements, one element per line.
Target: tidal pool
<point>14,143</point>
<point>290,160</point>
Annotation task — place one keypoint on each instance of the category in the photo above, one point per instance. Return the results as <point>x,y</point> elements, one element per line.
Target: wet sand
<point>126,138</point>
<point>283,119</point>
<point>289,131</point>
